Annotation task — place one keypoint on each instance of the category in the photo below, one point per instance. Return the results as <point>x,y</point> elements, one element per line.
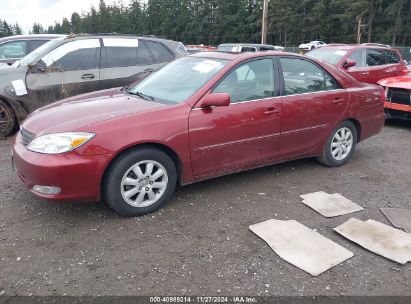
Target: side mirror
<point>349,63</point>
<point>216,100</point>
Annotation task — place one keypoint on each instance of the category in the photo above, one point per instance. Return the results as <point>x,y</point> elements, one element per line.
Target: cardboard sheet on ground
<point>379,238</point>
<point>301,246</point>
<point>330,205</point>
<point>400,218</point>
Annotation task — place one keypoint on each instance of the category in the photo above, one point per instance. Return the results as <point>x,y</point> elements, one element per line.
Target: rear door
<point>313,103</point>
<point>125,60</point>
<point>70,69</point>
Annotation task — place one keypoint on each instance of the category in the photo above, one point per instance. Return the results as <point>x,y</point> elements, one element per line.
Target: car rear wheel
<point>140,181</point>
<point>340,145</point>
<point>7,119</point>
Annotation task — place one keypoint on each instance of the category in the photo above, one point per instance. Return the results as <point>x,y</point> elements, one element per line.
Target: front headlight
<point>59,142</point>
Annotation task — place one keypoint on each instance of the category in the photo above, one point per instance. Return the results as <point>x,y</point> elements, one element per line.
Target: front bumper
<point>78,176</point>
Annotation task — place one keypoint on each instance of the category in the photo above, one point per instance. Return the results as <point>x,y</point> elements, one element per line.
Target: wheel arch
<point>357,125</point>
<point>166,149</point>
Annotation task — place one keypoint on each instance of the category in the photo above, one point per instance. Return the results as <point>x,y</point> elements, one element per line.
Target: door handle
<point>365,73</point>
<point>87,76</point>
<point>271,111</point>
<point>149,70</point>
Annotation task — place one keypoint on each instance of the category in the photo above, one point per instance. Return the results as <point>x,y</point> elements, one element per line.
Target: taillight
<point>405,70</point>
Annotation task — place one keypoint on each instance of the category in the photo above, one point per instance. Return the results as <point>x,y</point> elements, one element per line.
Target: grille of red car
<point>26,136</point>
<point>401,96</point>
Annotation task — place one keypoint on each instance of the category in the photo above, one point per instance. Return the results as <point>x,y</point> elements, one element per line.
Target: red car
<point>398,97</point>
<point>367,62</point>
<point>199,117</point>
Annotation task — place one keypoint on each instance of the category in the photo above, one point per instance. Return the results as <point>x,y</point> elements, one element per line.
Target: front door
<point>312,102</point>
<point>244,133</point>
<point>68,70</point>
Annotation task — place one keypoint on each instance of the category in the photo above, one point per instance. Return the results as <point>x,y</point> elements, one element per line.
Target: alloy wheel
<point>342,143</point>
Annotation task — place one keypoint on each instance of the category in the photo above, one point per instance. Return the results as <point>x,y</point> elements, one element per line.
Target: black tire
<point>327,157</point>
<point>7,119</point>
<point>312,47</point>
<point>112,184</point>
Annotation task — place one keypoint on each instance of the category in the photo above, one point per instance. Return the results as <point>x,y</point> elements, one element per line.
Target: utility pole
<point>265,23</point>
<point>359,29</point>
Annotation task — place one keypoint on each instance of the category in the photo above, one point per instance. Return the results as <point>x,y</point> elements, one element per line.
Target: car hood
<point>78,112</point>
<point>401,82</point>
<point>304,45</point>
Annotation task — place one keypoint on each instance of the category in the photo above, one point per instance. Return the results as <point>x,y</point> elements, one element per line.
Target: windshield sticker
<point>340,53</point>
<point>19,87</point>
<point>120,42</point>
<point>69,47</point>
<point>206,66</point>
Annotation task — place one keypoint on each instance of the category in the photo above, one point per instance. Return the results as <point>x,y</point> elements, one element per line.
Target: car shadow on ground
<point>184,195</point>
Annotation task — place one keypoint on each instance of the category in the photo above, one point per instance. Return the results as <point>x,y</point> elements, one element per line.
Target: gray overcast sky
<point>45,12</point>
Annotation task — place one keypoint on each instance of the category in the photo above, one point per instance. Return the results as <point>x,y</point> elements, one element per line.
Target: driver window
<point>75,55</point>
<point>250,81</point>
<point>359,58</point>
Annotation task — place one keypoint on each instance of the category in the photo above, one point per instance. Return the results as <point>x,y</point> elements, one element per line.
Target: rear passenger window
<point>391,57</point>
<point>375,57</point>
<point>122,52</point>
<point>34,44</point>
<point>160,52</point>
<point>302,76</point>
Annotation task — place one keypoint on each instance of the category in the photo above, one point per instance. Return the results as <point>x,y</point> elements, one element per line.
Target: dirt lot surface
<point>200,244</point>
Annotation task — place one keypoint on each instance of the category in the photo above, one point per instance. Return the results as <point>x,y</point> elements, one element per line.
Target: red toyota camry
<point>201,116</point>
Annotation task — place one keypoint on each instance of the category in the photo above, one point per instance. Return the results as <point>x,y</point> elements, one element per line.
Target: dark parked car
<point>224,113</point>
<point>16,47</point>
<point>72,65</point>
<point>247,47</point>
<point>367,62</point>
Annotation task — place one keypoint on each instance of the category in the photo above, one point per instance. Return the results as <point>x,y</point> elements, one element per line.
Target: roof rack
<point>376,44</point>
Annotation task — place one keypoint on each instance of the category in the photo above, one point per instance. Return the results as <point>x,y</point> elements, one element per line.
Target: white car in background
<point>311,45</point>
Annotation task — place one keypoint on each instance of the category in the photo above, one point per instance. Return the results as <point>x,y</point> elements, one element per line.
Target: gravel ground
<point>200,244</point>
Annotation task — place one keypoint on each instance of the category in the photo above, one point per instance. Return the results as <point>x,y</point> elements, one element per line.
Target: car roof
<point>30,37</point>
<point>241,56</point>
<point>111,35</point>
<point>246,44</point>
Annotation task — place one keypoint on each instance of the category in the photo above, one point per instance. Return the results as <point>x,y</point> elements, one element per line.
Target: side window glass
<point>127,52</point>
<point>391,57</point>
<point>34,44</point>
<point>375,57</point>
<point>15,49</point>
<point>358,56</point>
<point>160,52</point>
<point>81,54</point>
<point>250,81</point>
<point>302,76</point>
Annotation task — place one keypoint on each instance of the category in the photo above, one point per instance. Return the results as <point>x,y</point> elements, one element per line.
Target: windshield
<point>178,80</point>
<point>329,55</point>
<point>33,56</point>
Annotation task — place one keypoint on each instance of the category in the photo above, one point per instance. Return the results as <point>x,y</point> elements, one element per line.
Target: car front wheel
<point>340,145</point>
<point>140,181</point>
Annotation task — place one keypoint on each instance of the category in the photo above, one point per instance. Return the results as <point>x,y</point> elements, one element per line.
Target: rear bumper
<point>78,176</point>
<point>397,111</point>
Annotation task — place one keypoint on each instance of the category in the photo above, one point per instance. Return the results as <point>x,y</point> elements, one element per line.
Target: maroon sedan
<point>199,117</point>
